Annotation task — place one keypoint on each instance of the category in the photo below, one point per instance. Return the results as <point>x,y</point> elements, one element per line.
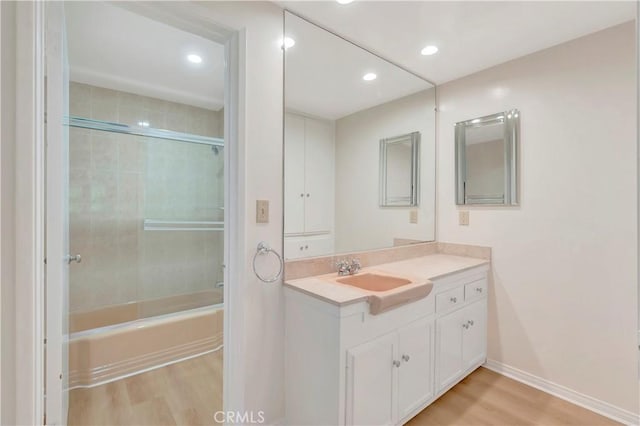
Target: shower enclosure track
<point>88,123</point>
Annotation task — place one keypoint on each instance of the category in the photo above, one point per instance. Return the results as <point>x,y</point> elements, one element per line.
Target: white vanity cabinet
<point>388,377</point>
<point>344,366</point>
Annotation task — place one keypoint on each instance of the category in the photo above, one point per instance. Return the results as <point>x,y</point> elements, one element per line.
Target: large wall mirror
<point>359,148</point>
<point>487,159</point>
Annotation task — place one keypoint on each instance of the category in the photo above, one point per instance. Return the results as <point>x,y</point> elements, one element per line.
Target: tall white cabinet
<point>309,186</point>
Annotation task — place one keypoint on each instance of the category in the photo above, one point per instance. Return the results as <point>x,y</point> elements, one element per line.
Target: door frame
<point>30,200</point>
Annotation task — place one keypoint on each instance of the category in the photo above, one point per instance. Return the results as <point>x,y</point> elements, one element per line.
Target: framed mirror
<point>345,190</point>
<point>400,170</point>
<point>487,160</point>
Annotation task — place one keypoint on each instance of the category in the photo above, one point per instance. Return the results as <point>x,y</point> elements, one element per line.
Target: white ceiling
<point>114,48</point>
<point>323,74</point>
<point>471,35</point>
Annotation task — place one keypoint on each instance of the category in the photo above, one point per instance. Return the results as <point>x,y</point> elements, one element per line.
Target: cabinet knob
<point>302,195</point>
<point>454,300</point>
<point>465,326</point>
<point>479,289</point>
<point>396,363</point>
<point>306,247</point>
<point>308,195</point>
<point>470,322</point>
<point>301,248</point>
<point>406,358</point>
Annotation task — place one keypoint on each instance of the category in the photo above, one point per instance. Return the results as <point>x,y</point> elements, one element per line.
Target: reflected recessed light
<point>287,42</point>
<point>429,50</point>
<point>195,59</point>
<point>477,120</point>
<point>344,1</point>
<point>143,123</point>
<point>369,76</point>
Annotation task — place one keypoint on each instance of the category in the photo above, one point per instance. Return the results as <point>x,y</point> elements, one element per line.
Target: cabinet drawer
<point>449,299</point>
<point>475,290</point>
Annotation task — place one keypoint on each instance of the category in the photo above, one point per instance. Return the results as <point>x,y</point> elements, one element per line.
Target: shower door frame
<point>31,208</point>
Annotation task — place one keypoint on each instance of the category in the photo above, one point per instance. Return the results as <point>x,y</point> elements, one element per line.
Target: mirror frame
<point>511,121</point>
<point>414,138</point>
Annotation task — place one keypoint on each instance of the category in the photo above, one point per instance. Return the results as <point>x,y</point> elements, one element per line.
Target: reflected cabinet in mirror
<point>487,159</point>
<point>359,148</point>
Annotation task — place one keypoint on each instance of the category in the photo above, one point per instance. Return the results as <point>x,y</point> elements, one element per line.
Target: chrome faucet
<point>348,266</point>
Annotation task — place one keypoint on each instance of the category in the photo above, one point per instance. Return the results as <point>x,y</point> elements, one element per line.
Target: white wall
<point>261,178</point>
<point>563,304</point>
<point>357,180</point>
<point>7,181</point>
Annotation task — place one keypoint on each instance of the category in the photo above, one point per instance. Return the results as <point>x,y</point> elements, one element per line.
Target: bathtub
<point>112,352</point>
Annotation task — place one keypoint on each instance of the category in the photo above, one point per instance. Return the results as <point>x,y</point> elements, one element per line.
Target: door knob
<point>76,258</point>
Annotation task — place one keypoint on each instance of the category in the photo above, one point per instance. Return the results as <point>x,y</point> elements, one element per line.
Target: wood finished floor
<point>488,398</point>
<point>185,393</point>
<point>189,392</point>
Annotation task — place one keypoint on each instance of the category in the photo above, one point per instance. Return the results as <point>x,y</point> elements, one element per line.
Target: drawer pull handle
<point>454,300</point>
<point>396,363</point>
<point>406,358</point>
<point>479,289</point>
<point>470,322</point>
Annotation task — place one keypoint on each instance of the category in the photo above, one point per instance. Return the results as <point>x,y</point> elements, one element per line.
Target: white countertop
<point>417,269</point>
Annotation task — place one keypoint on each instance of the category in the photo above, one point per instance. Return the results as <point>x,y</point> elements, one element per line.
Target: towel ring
<point>263,248</point>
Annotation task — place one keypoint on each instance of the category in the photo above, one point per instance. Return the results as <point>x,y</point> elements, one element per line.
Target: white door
<point>415,380</point>
<point>372,382</point>
<point>57,217</point>
<point>294,193</point>
<point>319,176</point>
<point>474,338</point>
<point>449,331</point>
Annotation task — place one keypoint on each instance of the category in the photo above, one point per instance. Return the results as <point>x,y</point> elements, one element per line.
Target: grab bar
<point>182,225</point>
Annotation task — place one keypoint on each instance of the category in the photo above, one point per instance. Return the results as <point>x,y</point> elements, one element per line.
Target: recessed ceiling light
<point>344,1</point>
<point>369,76</point>
<point>287,42</point>
<point>143,123</point>
<point>193,58</point>
<point>429,50</point>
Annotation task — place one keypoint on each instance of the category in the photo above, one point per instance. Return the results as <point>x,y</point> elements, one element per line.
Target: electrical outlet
<point>463,217</point>
<point>413,216</point>
<point>262,211</point>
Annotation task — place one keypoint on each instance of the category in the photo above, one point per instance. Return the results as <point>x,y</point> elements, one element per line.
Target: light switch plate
<point>413,216</point>
<point>262,211</point>
<point>463,217</point>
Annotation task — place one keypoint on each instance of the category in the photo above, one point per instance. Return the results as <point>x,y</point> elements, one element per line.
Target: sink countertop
<point>419,269</point>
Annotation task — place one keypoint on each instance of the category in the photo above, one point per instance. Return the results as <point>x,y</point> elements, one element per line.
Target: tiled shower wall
<point>118,180</point>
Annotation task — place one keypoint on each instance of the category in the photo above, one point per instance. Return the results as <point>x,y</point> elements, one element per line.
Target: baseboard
<point>603,408</point>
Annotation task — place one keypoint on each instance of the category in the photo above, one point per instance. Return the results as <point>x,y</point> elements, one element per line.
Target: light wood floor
<point>185,393</point>
<point>190,392</point>
<point>488,398</point>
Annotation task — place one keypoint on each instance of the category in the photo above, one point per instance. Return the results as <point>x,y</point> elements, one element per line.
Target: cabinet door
<point>294,191</point>
<point>474,338</point>
<point>449,365</point>
<point>415,375</point>
<point>371,382</point>
<point>319,176</point>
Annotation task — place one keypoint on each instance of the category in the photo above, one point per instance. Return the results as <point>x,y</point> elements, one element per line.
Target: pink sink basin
<point>374,282</point>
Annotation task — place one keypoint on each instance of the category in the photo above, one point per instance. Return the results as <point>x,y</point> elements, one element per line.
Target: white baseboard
<point>603,408</point>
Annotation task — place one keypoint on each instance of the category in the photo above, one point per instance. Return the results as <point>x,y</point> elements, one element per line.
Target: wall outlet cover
<point>413,216</point>
<point>463,217</point>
